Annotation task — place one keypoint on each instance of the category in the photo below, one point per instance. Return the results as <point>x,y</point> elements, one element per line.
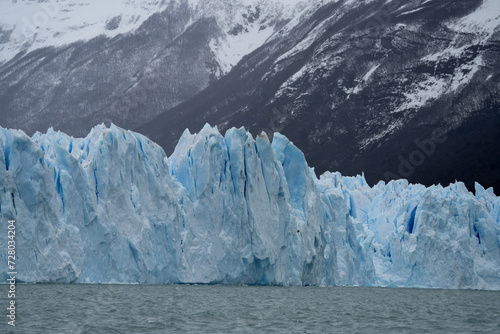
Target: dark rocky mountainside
<point>399,89</point>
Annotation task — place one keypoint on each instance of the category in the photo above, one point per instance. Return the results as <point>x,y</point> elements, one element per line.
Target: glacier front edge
<point>232,209</point>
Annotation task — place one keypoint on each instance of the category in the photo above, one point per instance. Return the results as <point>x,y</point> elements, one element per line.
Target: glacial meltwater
<point>239,309</point>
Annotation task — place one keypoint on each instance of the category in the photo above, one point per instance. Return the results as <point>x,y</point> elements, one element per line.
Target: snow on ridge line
<point>232,209</point>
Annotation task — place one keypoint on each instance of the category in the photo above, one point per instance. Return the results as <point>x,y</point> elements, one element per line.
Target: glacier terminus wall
<point>232,209</point>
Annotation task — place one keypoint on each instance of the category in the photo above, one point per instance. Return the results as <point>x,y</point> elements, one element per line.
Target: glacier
<point>231,209</point>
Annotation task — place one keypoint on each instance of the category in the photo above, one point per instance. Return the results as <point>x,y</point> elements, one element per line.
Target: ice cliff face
<point>231,209</point>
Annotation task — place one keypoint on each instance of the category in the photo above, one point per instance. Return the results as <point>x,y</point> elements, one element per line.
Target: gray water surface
<point>226,309</point>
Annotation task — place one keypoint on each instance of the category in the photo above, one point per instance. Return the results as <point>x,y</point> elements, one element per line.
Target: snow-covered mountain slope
<point>368,81</point>
<point>123,61</point>
<point>31,25</point>
<point>232,209</point>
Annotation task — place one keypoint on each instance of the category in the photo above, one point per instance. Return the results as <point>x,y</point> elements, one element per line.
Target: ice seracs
<point>231,209</point>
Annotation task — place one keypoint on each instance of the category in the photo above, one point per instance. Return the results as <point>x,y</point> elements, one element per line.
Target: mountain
<point>233,209</point>
<point>397,89</point>
<point>74,64</point>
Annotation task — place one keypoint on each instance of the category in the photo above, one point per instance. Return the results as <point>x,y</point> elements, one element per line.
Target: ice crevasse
<point>232,209</point>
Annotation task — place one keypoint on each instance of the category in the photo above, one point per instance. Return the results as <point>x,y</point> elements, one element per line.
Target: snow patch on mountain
<point>365,79</point>
<point>307,41</point>
<point>232,48</point>
<point>485,20</point>
<point>387,130</point>
<point>247,24</point>
<point>423,92</point>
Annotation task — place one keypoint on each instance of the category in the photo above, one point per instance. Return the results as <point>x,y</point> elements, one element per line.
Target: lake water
<point>222,309</point>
